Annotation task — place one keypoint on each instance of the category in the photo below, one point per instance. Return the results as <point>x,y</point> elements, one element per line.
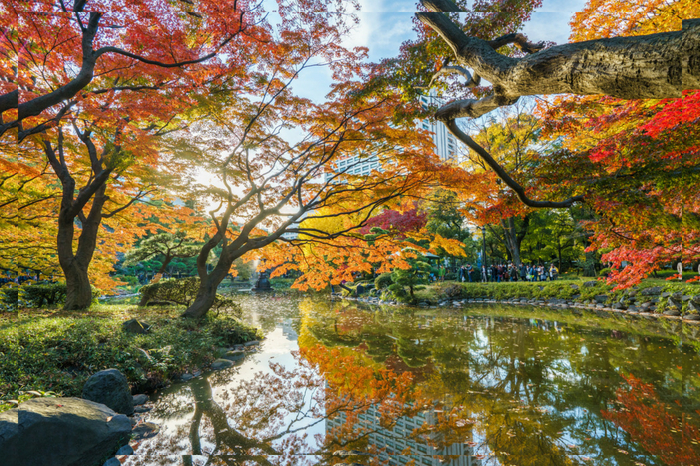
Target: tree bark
<point>207,290</point>
<point>653,66</point>
<point>75,265</point>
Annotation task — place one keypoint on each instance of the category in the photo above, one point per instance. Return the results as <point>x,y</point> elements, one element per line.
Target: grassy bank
<point>50,350</point>
<point>576,291</point>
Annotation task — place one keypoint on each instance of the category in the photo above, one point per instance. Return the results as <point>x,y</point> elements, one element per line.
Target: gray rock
<point>632,293</point>
<point>574,286</point>
<point>691,317</point>
<point>654,290</point>
<point>221,364</point>
<point>590,283</point>
<point>145,430</point>
<point>61,432</point>
<point>112,462</point>
<point>672,312</point>
<point>234,355</point>
<point>665,294</point>
<point>251,343</point>
<point>601,298</point>
<point>140,399</point>
<point>110,388</point>
<point>673,302</point>
<point>142,409</point>
<point>125,450</point>
<point>693,307</point>
<point>186,377</point>
<point>134,326</point>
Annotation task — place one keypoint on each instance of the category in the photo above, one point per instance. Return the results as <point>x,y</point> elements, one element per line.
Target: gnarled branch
<point>502,174</point>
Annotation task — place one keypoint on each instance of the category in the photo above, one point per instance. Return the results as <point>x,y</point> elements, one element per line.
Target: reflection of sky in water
<point>526,382</point>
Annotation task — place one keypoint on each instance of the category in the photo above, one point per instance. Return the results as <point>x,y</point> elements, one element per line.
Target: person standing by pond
<point>553,272</point>
<point>441,273</point>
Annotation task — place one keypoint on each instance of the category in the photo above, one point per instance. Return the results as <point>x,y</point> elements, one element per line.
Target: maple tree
<point>637,159</point>
<point>74,53</point>
<point>474,55</point>
<point>299,177</point>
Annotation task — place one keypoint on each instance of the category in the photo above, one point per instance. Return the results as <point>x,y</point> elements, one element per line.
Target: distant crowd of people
<point>502,273</point>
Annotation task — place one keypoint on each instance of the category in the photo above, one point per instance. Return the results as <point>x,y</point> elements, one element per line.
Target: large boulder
<point>61,432</point>
<point>110,388</point>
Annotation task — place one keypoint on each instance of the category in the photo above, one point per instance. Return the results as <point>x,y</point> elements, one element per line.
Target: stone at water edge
<point>125,450</point>
<point>234,355</point>
<point>672,313</point>
<point>140,399</point>
<point>61,432</point>
<point>110,388</point>
<point>145,430</point>
<point>112,462</point>
<point>221,364</point>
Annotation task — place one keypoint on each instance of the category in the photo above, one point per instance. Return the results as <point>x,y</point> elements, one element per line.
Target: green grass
<point>435,292</point>
<point>51,350</point>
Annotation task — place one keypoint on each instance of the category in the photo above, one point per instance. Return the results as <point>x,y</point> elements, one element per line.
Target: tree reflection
<point>660,427</point>
<point>387,388</point>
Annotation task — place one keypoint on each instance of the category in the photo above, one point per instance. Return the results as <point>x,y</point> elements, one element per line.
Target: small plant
<point>183,291</point>
<point>411,278</point>
<point>383,281</point>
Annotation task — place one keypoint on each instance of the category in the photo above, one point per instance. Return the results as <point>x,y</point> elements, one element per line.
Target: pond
<point>340,383</point>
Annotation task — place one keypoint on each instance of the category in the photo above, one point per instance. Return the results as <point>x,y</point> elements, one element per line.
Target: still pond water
<point>342,383</point>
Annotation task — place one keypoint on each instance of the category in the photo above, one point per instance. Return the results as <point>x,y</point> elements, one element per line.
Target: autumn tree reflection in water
<point>442,388</point>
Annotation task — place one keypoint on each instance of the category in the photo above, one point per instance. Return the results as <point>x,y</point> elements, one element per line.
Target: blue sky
<point>385,24</point>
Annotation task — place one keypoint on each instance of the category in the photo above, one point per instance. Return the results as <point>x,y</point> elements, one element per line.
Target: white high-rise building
<point>447,147</point>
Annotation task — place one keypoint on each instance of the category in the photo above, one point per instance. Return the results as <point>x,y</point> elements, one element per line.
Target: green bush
<point>37,296</point>
<point>383,281</point>
<point>183,291</point>
<point>47,295</point>
<point>8,298</point>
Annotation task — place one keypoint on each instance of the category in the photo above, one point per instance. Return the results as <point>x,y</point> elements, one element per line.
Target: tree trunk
<point>207,291</point>
<point>78,289</point>
<point>75,265</point>
<point>511,239</point>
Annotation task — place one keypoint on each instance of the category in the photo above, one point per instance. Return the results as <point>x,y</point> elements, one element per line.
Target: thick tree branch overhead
<point>639,67</point>
<point>654,66</point>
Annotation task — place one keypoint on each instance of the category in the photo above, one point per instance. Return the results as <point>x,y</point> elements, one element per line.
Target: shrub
<point>183,291</point>
<point>383,281</point>
<point>36,296</point>
<point>42,295</point>
<point>9,298</point>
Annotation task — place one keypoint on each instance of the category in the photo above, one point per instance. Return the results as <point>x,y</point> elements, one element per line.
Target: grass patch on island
<point>56,351</point>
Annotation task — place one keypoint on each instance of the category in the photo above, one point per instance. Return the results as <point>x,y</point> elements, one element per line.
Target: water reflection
<point>489,386</point>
